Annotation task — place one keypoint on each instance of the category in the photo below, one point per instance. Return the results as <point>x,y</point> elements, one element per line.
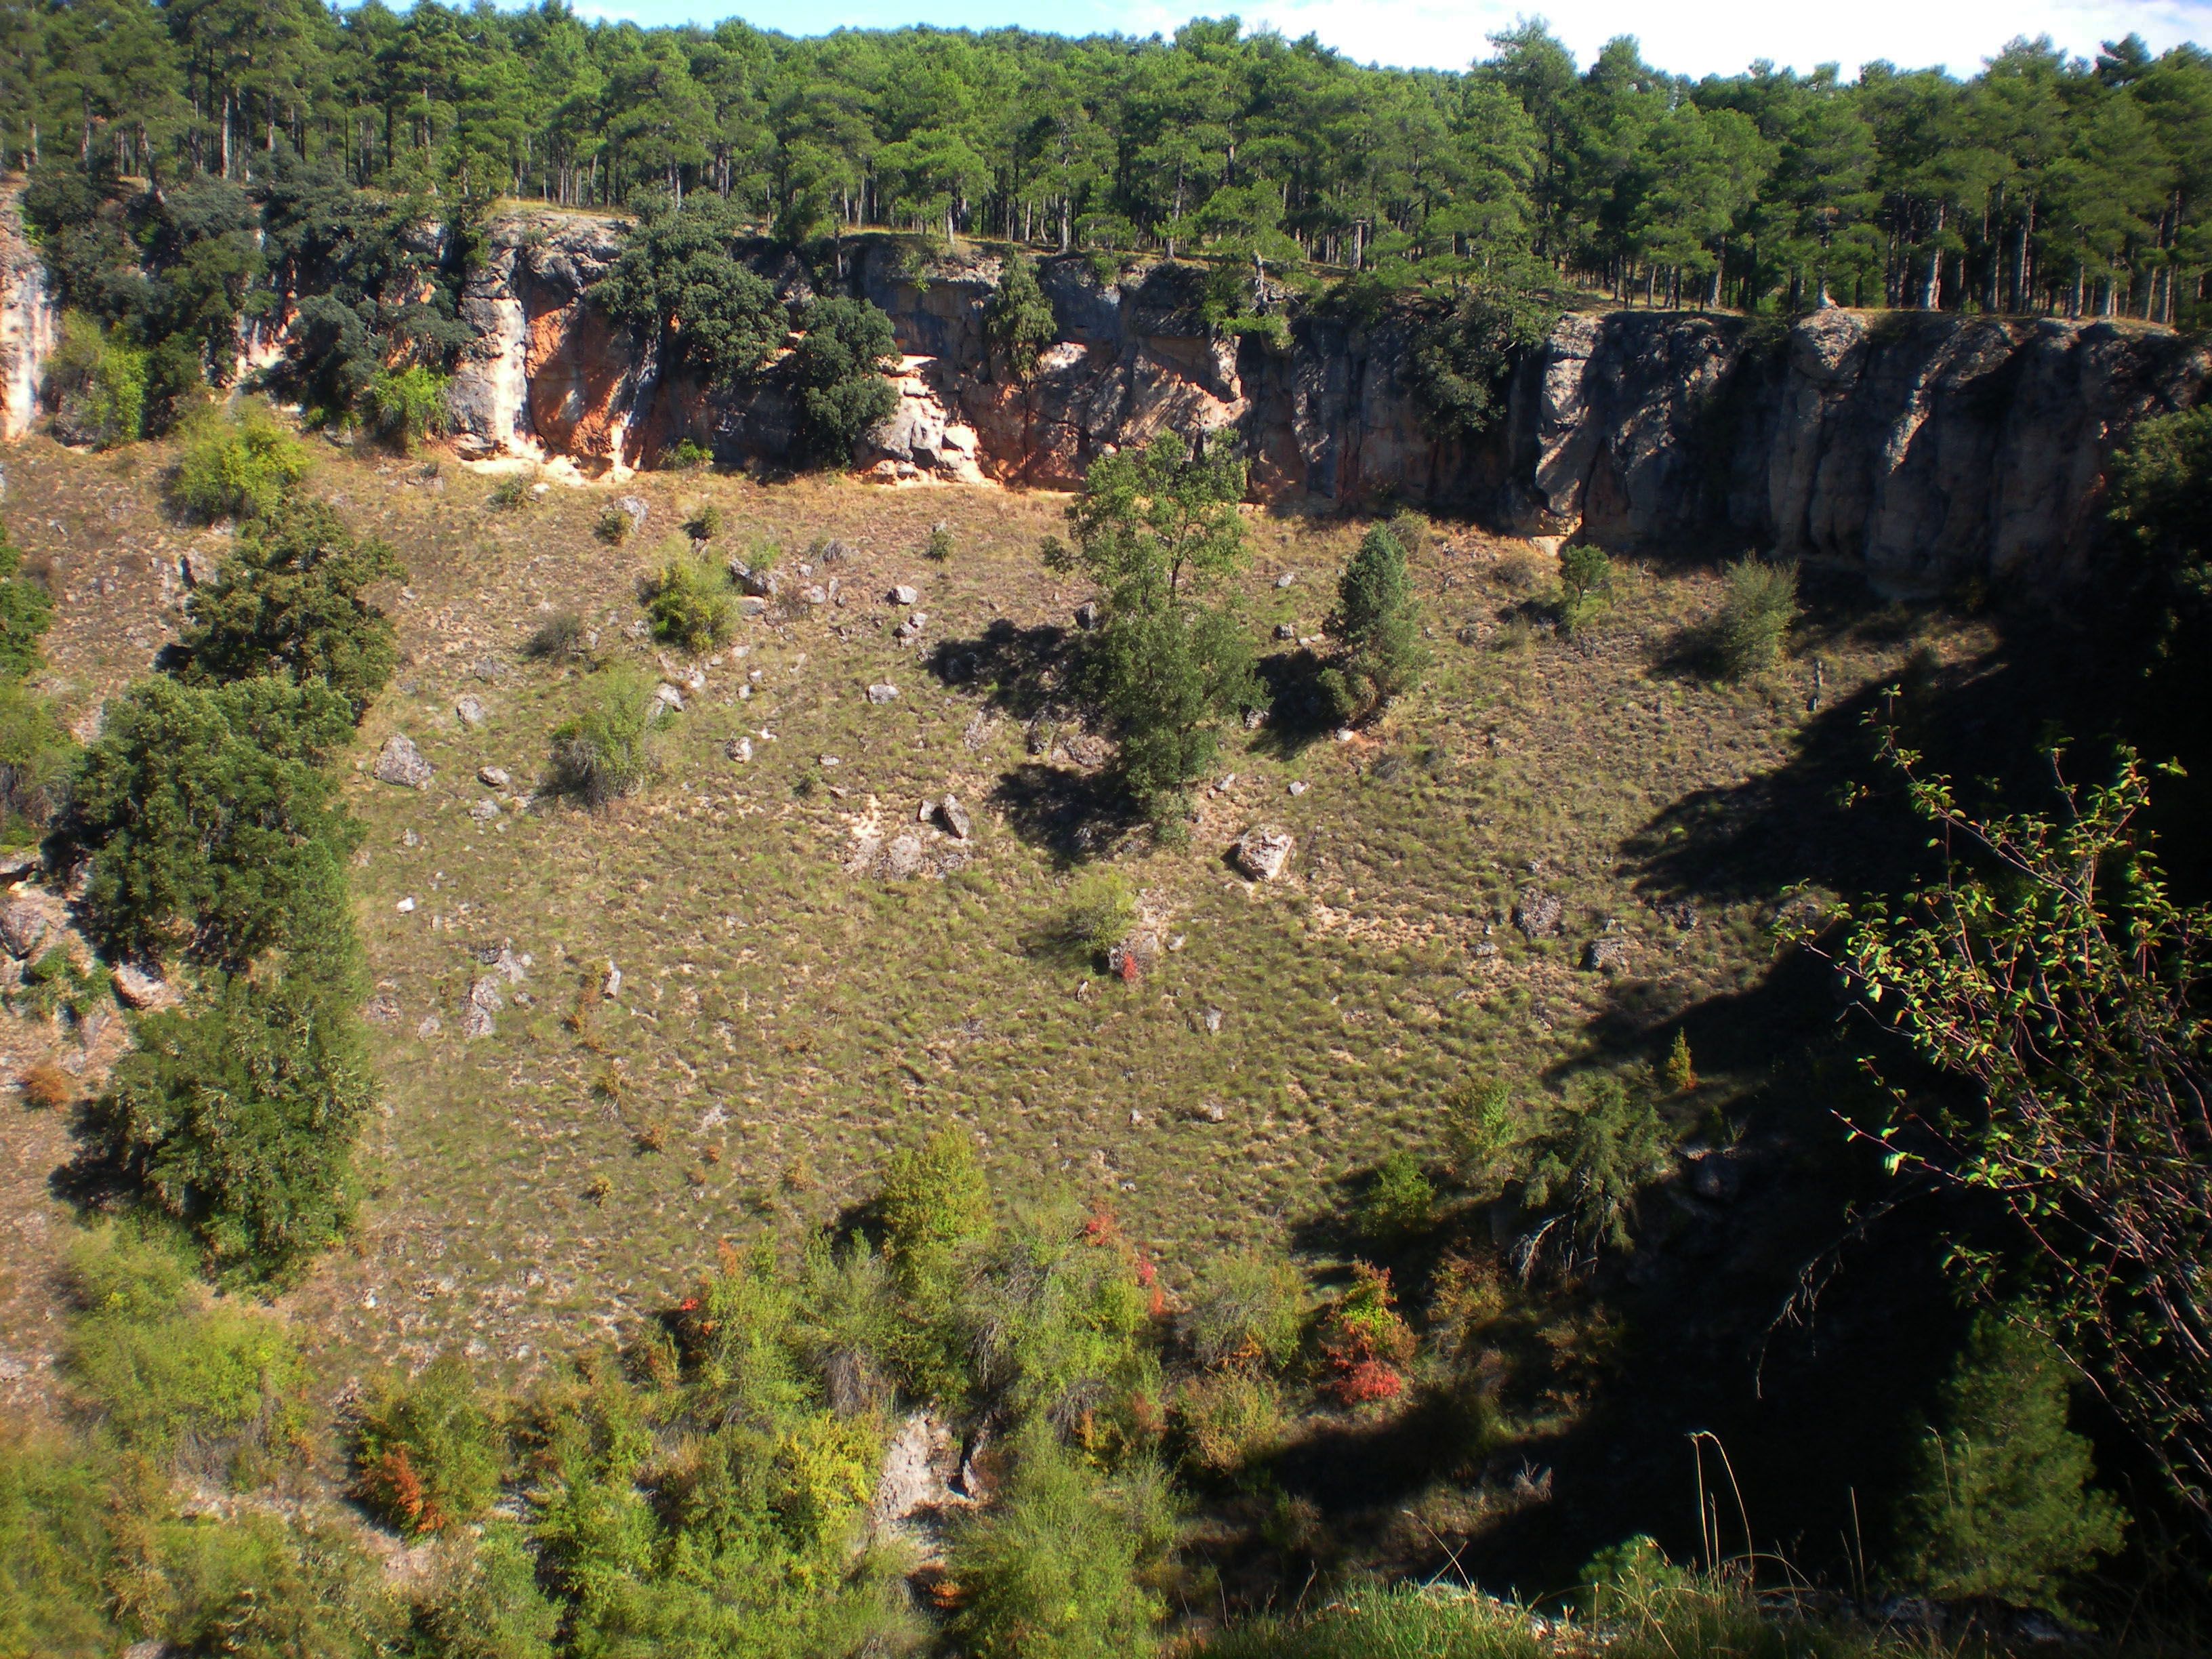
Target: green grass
<point>782,1024</point>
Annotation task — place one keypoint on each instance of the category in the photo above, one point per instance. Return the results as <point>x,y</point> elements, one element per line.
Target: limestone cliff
<point>30,323</point>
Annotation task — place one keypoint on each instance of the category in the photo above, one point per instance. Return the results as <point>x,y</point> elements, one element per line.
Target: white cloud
<point>1715,39</point>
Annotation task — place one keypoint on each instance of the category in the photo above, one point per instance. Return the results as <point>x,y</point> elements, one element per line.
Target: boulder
<point>814,593</point>
<point>485,811</point>
<point>903,595</point>
<point>757,584</point>
<point>1607,954</point>
<point>136,988</point>
<point>470,710</point>
<point>739,748</point>
<point>22,926</point>
<point>634,508</point>
<point>1263,852</point>
<point>883,691</point>
<point>954,816</point>
<point>904,858</point>
<point>910,629</point>
<point>493,777</point>
<point>1539,913</point>
<point>1087,615</point>
<point>401,763</point>
<point>668,697</point>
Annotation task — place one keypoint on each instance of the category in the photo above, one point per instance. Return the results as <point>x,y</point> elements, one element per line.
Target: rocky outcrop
<point>30,327</point>
<point>1924,450</point>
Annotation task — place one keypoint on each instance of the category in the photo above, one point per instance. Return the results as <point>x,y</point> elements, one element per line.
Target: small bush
<point>934,1198</point>
<point>704,525</point>
<point>47,1088</point>
<point>1400,1199</point>
<point>100,382</point>
<point>1756,611</point>
<point>427,1456</point>
<point>610,749</point>
<point>1364,1344</point>
<point>1102,912</point>
<point>1481,1130</point>
<point>1244,1312</point>
<point>240,467</point>
<point>1585,583</point>
<point>613,527</point>
<point>403,406</point>
<point>1228,1419</point>
<point>1597,1166</point>
<point>1681,1069</point>
<point>27,612</point>
<point>941,544</point>
<point>1410,531</point>
<point>689,455</point>
<point>57,983</point>
<point>37,759</point>
<point>559,637</point>
<point>689,604</point>
<point>512,494</point>
<point>237,1119</point>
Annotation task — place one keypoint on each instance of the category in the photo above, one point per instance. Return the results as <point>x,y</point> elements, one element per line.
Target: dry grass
<point>782,1020</point>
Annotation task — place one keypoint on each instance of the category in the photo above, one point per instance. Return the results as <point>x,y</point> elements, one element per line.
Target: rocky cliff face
<point>1922,450</point>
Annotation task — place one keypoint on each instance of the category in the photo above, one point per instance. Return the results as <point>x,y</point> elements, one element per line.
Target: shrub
<point>1410,531</point>
<point>1054,1570</point>
<point>613,526</point>
<point>1400,1199</point>
<point>37,759</point>
<point>1018,319</point>
<point>427,1454</point>
<point>27,612</point>
<point>1230,1419</point>
<point>560,636</point>
<point>1481,1130</point>
<point>1681,1068</point>
<point>1244,1312</point>
<point>167,1372</point>
<point>689,455</point>
<point>2001,1503</point>
<point>688,603</point>
<point>1102,911</point>
<point>403,406</point>
<point>610,749</point>
<point>704,525</point>
<point>1380,625</point>
<point>98,379</point>
<point>57,983</point>
<point>240,467</point>
<point>287,600</point>
<point>677,280</point>
<point>1758,605</point>
<point>1597,1164</point>
<point>839,367</point>
<point>47,1088</point>
<point>1364,1344</point>
<point>237,1120</point>
<point>933,1199</point>
<point>939,547</point>
<point>485,1603</point>
<point>512,494</point>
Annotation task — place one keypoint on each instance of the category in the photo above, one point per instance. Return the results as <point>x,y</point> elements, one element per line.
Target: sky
<point>1719,38</point>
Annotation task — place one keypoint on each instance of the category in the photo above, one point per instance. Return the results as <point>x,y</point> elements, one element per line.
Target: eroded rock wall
<point>30,327</point>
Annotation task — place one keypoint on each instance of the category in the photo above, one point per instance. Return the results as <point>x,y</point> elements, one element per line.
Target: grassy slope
<point>789,1020</point>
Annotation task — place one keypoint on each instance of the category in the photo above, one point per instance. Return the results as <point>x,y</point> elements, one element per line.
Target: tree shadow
<point>1072,815</point>
<point>1019,672</point>
<point>1298,712</point>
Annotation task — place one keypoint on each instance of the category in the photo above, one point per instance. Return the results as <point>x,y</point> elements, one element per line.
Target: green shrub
<point>1379,623</point>
<point>934,1198</point>
<point>1400,1199</point>
<point>838,365</point>
<point>939,547</point>
<point>560,636</point>
<point>1245,1312</point>
<point>689,455</point>
<point>1463,357</point>
<point>485,1603</point>
<point>704,525</point>
<point>240,467</point>
<point>57,1516</point>
<point>677,280</point>
<point>403,406</point>
<point>287,601</point>
<point>213,823</point>
<point>1595,1166</point>
<point>613,526</point>
<point>37,759</point>
<point>1102,911</point>
<point>1481,1130</point>
<point>98,379</point>
<point>612,749</point>
<point>1398,1621</point>
<point>1018,319</point>
<point>689,604</point>
<point>512,494</point>
<point>1055,1569</point>
<point>167,1372</point>
<point>427,1454</point>
<point>2002,1503</point>
<point>57,983</point>
<point>27,612</point>
<point>237,1120</point>
<point>1758,605</point>
<point>1229,1418</point>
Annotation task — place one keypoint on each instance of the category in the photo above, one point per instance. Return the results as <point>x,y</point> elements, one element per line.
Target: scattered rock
<point>489,670</point>
<point>761,585</point>
<point>883,691</point>
<point>1088,750</point>
<point>1607,954</point>
<point>382,1009</point>
<point>1538,914</point>
<point>1287,630</point>
<point>1263,852</point>
<point>429,1027</point>
<point>198,567</point>
<point>954,816</point>
<point>635,508</point>
<point>1210,1019</point>
<point>814,594</point>
<point>1298,785</point>
<point>484,1002</point>
<point>502,959</point>
<point>1483,949</point>
<point>401,763</point>
<point>485,811</point>
<point>135,988</point>
<point>739,748</point>
<point>1087,615</point>
<point>1678,913</point>
<point>611,985</point>
<point>668,697</point>
<point>752,607</point>
<point>903,595</point>
<point>1254,718</point>
<point>493,777</point>
<point>406,907</point>
<point>1286,579</point>
<point>903,859</point>
<point>22,925</point>
<point>836,553</point>
<point>470,710</point>
<point>1214,1112</point>
<point>910,629</point>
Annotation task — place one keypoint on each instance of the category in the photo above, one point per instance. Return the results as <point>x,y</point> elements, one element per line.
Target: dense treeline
<point>2044,182</point>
